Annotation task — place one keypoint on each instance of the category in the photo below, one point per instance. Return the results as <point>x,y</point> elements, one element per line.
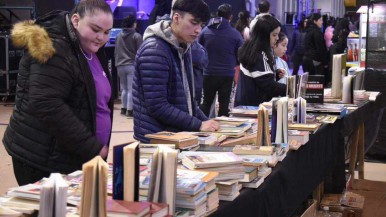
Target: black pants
<point>26,174</point>
<point>212,85</point>
<point>310,67</point>
<point>297,60</point>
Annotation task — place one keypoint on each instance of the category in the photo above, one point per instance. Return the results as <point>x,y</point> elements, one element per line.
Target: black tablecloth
<point>294,179</point>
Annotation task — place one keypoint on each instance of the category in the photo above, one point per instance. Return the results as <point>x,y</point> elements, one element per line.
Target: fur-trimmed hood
<point>34,38</point>
<point>37,36</point>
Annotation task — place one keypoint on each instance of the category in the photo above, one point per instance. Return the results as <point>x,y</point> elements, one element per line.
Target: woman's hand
<point>281,73</point>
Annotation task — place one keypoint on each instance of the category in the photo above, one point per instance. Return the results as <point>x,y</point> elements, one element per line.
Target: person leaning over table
<point>63,108</point>
<point>163,87</point>
<point>257,80</point>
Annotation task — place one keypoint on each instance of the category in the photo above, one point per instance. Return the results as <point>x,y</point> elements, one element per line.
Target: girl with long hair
<point>257,81</point>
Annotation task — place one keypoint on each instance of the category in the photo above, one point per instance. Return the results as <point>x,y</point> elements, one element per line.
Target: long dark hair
<point>259,42</point>
<point>243,21</point>
<point>314,17</point>
<point>341,30</point>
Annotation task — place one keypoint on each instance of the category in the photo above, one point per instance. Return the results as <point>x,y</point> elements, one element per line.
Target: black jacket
<point>315,45</point>
<point>53,124</point>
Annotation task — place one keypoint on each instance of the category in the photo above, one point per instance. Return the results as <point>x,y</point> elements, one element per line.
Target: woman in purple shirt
<point>63,107</point>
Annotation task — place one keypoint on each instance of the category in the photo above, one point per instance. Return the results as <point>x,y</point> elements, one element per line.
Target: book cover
<point>315,89</point>
<point>194,160</point>
<point>180,139</point>
<point>127,208</point>
<point>131,175</point>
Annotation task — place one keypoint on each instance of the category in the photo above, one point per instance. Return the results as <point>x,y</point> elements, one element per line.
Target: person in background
<point>280,50</point>
<point>263,7</point>
<point>339,45</point>
<point>315,59</point>
<point>329,32</point>
<point>63,107</point>
<point>200,62</point>
<point>257,81</point>
<point>242,24</point>
<point>163,87</point>
<point>297,47</point>
<point>222,42</point>
<point>126,46</point>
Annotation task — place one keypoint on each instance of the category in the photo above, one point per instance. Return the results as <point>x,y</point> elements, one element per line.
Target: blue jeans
<point>126,75</point>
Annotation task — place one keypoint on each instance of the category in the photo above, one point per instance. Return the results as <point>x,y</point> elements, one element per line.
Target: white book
<point>196,159</point>
<point>53,198</point>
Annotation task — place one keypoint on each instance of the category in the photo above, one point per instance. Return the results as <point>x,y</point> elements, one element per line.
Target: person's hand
<point>104,152</point>
<point>280,73</point>
<point>209,126</point>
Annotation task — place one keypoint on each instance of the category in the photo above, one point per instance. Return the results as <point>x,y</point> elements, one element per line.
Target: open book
<point>263,136</point>
<point>338,72</point>
<point>53,196</point>
<point>126,172</point>
<point>280,128</point>
<point>94,188</point>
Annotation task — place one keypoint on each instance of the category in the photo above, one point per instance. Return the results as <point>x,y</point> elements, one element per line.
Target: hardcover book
<point>180,139</point>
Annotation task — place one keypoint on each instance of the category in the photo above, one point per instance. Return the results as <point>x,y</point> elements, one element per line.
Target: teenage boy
<point>163,86</point>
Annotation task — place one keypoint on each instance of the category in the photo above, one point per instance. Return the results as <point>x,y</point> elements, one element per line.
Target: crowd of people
<point>169,77</point>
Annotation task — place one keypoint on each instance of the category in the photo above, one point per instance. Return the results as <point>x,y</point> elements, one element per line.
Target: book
<point>304,127</point>
<point>5,211</point>
<point>94,188</point>
<point>123,208</point>
<point>126,171</point>
<point>280,128</point>
<point>180,139</point>
<point>194,160</point>
<point>301,85</point>
<point>253,149</point>
<point>244,111</point>
<point>159,209</point>
<point>250,174</point>
<point>215,148</point>
<point>53,196</point>
<point>131,174</point>
<point>328,108</point>
<point>291,86</point>
<point>315,89</point>
<point>155,176</point>
<point>247,139</point>
<point>299,112</point>
<point>254,183</point>
<point>263,135</point>
<point>205,138</point>
<point>168,180</point>
<point>251,160</point>
<point>300,137</point>
<point>338,72</point>
<point>348,89</point>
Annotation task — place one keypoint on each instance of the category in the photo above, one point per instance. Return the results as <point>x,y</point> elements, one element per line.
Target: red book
<point>125,208</point>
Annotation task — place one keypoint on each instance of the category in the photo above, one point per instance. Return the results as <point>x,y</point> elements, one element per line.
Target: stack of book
<point>182,140</point>
<point>297,138</point>
<point>210,188</point>
<point>328,108</point>
<point>228,190</point>
<point>228,165</point>
<point>234,127</point>
<point>244,111</point>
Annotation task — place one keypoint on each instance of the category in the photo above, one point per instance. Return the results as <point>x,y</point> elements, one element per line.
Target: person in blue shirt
<point>222,42</point>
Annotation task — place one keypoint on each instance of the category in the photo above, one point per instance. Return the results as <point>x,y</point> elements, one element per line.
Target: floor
<point>122,132</point>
